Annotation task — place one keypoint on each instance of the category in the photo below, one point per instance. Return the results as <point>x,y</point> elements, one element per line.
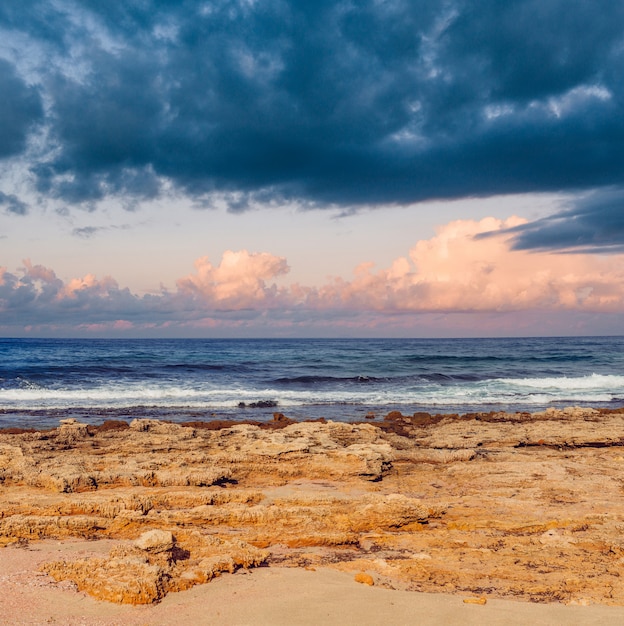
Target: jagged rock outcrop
<point>517,505</point>
<point>157,563</point>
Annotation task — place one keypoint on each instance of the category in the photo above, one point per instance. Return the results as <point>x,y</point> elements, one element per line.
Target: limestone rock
<point>145,572</point>
<point>71,431</point>
<point>155,541</point>
<point>365,579</point>
<point>519,505</point>
<point>128,580</point>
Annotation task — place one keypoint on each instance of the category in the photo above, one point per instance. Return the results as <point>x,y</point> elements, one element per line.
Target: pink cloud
<point>41,280</point>
<point>95,328</point>
<point>238,282</point>
<point>122,325</point>
<point>107,326</point>
<point>39,272</point>
<point>88,283</point>
<point>454,281</point>
<point>455,271</point>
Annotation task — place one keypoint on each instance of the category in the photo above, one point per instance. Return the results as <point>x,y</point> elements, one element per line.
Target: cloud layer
<point>456,272</point>
<point>329,103</point>
<point>594,223</point>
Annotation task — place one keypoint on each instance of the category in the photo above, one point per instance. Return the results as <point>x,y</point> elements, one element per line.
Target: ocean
<point>44,380</point>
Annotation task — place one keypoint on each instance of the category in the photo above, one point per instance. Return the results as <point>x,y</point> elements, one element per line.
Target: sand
<point>265,596</point>
<point>250,525</point>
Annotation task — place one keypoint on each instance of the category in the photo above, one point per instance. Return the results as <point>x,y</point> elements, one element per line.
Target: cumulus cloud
<point>238,282</point>
<point>237,290</point>
<point>35,295</point>
<point>456,272</point>
<point>322,103</point>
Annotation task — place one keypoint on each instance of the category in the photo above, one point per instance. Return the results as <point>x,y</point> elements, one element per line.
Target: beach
<point>266,597</point>
<point>311,313</point>
<point>449,517</point>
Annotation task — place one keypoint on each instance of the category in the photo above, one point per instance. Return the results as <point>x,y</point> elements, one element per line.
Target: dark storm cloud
<point>20,109</point>
<point>592,224</point>
<point>327,103</point>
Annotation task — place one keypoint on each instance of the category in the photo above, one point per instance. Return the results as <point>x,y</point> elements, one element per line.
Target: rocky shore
<point>522,506</point>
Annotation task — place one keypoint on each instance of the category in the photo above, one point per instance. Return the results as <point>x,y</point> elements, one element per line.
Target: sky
<point>275,168</point>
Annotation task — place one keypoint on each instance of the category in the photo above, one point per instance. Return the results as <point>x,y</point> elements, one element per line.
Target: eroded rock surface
<point>528,506</point>
<point>157,563</point>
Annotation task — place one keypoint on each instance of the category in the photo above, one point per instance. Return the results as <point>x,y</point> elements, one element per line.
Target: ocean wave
<point>591,381</point>
<point>595,388</point>
<point>490,358</point>
<point>316,380</point>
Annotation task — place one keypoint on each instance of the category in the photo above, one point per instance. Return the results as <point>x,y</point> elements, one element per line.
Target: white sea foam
<point>593,381</point>
<point>505,392</point>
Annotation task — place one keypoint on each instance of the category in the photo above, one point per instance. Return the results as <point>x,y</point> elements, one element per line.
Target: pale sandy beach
<point>266,596</point>
<point>157,523</point>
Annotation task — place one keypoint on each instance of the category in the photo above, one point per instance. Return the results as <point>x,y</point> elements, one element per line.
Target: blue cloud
<point>20,110</point>
<point>594,223</point>
<point>325,103</point>
<point>12,204</point>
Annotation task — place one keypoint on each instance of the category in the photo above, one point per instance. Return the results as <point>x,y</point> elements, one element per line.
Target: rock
<point>71,430</point>
<point>435,503</point>
<point>365,579</point>
<point>125,580</point>
<point>138,574</point>
<point>280,417</point>
<point>260,404</point>
<point>155,541</point>
<point>394,415</point>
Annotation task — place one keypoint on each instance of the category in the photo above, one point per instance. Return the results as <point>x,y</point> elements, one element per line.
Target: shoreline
<point>501,506</point>
<point>277,418</point>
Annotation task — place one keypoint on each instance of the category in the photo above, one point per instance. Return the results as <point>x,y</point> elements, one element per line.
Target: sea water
<point>42,380</point>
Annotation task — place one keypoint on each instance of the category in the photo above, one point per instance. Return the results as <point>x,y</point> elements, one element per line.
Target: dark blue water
<point>182,379</point>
